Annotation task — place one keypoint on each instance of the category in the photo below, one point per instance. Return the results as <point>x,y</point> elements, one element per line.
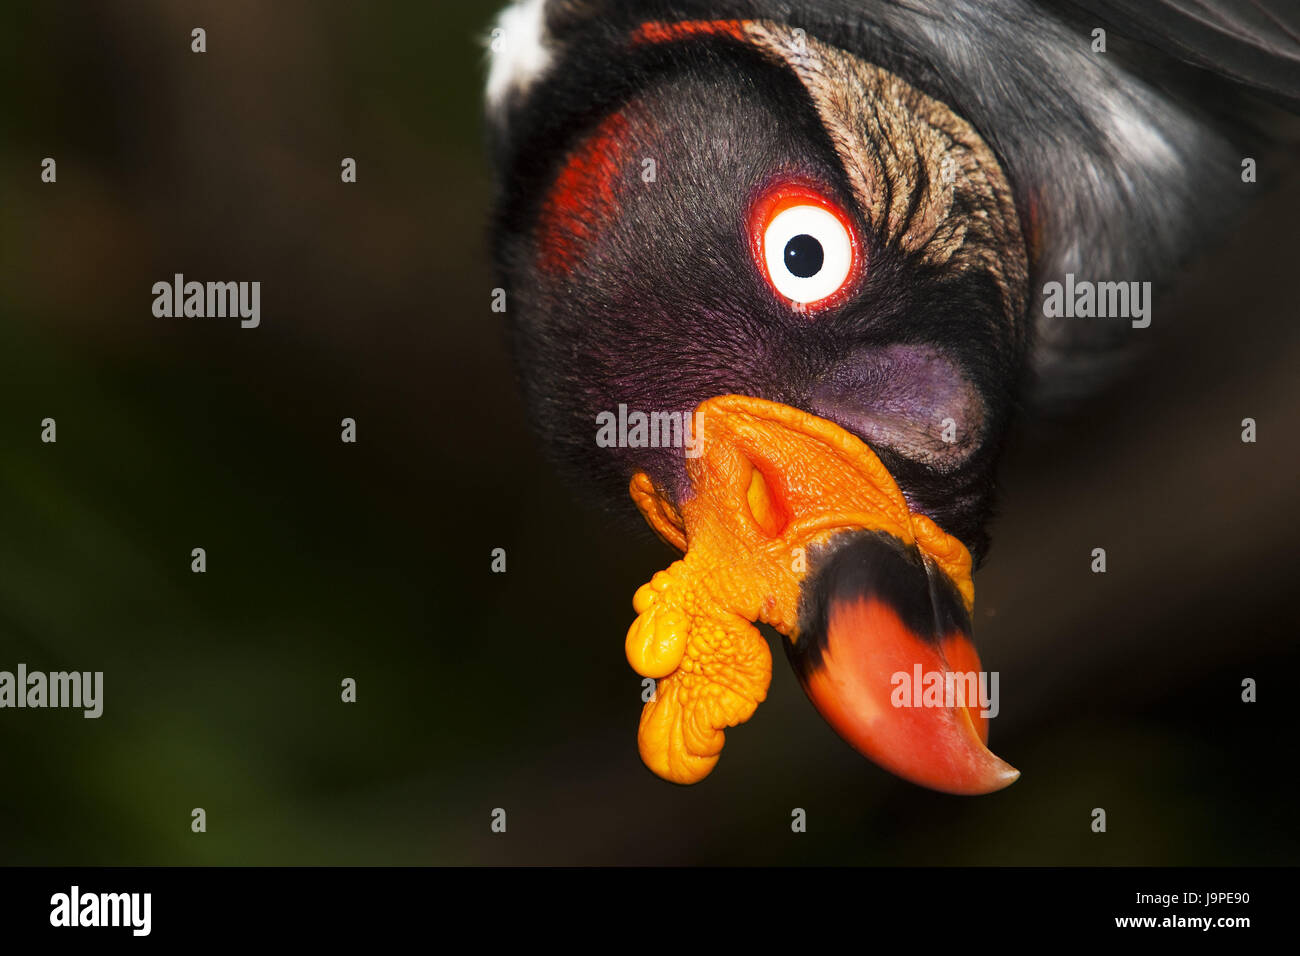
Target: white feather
<point>520,51</point>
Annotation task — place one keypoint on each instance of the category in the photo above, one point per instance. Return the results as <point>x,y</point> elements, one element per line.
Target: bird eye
<point>805,246</point>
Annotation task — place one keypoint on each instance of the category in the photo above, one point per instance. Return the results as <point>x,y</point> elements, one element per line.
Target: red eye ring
<point>846,247</point>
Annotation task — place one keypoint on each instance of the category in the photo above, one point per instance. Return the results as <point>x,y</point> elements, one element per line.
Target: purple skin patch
<point>910,399</point>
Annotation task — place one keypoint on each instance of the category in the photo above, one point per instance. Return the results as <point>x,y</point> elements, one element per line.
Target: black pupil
<point>804,256</point>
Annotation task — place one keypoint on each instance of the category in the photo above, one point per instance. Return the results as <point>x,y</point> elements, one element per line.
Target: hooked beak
<point>884,653</point>
<point>794,522</point>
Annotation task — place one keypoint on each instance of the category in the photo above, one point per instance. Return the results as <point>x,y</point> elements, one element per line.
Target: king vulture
<point>778,271</point>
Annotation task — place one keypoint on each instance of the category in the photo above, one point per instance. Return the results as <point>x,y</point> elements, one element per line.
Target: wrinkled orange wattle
<point>771,483</point>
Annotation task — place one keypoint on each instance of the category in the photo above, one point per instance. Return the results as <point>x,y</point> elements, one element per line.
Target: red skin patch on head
<point>584,197</point>
<point>656,31</point>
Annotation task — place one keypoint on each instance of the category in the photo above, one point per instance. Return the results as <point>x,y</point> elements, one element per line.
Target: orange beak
<point>885,655</point>
<point>795,523</point>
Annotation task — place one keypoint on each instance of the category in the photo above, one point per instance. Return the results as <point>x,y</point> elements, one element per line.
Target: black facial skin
<point>666,306</point>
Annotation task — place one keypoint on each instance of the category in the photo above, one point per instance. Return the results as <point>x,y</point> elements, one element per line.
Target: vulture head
<point>770,274</point>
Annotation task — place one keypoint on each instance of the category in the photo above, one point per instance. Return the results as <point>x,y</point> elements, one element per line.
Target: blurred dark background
<point>480,690</point>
